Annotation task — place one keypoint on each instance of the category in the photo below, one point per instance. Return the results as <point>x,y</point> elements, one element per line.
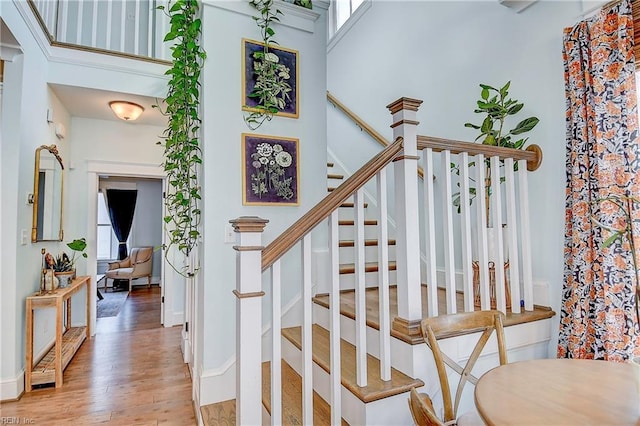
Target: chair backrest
<point>141,259</point>
<point>445,326</point>
<point>422,409</point>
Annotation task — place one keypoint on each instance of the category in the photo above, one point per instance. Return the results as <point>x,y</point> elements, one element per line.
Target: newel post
<point>248,294</point>
<point>405,125</point>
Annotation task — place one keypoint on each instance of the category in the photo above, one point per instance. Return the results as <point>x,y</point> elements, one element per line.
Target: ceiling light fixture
<point>127,111</point>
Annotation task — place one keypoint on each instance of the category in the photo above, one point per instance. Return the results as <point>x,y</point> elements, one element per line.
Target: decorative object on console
<point>125,110</point>
<point>270,172</point>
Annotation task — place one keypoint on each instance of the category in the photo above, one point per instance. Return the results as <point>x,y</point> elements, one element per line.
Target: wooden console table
<point>68,339</point>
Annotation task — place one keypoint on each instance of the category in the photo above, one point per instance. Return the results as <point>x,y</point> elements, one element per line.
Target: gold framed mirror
<point>48,180</point>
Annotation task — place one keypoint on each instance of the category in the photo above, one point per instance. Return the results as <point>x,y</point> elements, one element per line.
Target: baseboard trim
<point>218,384</point>
<point>12,389</point>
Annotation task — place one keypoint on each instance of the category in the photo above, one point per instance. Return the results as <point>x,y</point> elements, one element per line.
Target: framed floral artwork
<point>287,71</point>
<point>270,170</point>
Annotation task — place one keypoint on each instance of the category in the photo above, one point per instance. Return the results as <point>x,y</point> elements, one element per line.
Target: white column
<point>248,319</point>
<point>404,125</point>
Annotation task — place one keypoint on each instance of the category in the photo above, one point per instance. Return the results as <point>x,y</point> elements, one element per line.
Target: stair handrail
<point>359,121</point>
<point>532,154</point>
<point>363,125</point>
<point>285,241</point>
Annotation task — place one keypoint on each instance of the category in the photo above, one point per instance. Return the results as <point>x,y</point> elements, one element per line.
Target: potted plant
<point>63,266</point>
<point>496,107</point>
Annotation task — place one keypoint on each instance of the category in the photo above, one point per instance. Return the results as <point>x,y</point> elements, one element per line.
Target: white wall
<point>26,98</point>
<point>24,127</point>
<point>224,25</point>
<point>440,51</point>
<point>147,221</point>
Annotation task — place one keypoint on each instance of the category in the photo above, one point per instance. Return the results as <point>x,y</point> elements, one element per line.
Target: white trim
<point>296,17</point>
<point>125,169</point>
<point>346,27</point>
<point>11,389</point>
<point>218,384</point>
<point>517,5</point>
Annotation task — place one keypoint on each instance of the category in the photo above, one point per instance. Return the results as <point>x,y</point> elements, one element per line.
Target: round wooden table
<point>560,392</point>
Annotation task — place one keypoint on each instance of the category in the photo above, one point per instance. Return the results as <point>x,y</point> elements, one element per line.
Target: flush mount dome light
<point>127,111</point>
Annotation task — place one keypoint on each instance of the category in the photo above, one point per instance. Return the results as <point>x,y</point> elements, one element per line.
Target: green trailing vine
<point>182,152</point>
<point>272,89</point>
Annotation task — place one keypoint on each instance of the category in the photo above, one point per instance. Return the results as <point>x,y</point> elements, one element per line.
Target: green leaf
<point>504,89</point>
<point>487,125</point>
<point>484,94</point>
<point>612,238</point>
<point>473,126</point>
<point>525,125</point>
<point>514,109</point>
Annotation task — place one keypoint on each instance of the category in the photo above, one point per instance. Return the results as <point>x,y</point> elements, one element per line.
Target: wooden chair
<point>445,326</point>
<point>422,409</point>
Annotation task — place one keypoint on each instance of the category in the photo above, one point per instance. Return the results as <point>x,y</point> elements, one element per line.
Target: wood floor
<point>130,373</point>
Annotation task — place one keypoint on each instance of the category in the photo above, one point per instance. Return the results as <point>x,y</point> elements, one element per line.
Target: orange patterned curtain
<point>598,318</point>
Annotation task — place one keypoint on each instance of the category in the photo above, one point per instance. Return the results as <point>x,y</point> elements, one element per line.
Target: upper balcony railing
<point>130,28</point>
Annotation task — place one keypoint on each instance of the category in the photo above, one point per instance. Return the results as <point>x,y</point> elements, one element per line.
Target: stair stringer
<point>386,411</point>
<point>524,341</point>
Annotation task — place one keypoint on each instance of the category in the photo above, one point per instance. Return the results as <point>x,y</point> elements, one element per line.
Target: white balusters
<point>512,235</point>
<point>447,226</point>
<point>276,342</point>
<point>335,399</point>
<point>430,233</point>
<point>465,218</point>
<point>481,223</point>
<point>79,22</point>
<point>361,308</point>
<point>94,24</point>
<point>383,278</point>
<point>109,24</point>
<point>525,235</point>
<point>496,216</point>
<point>307,343</point>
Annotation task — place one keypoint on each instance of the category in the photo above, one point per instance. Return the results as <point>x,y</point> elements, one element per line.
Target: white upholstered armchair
<point>139,264</point>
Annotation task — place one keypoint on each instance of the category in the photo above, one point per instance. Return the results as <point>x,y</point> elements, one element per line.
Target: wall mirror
<point>47,195</point>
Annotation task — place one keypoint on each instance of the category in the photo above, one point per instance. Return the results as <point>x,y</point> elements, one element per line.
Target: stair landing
<point>347,308</point>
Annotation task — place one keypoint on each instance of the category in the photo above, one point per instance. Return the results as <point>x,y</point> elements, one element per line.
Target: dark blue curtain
<point>122,205</point>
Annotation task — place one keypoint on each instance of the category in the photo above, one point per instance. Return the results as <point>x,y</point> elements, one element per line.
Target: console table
<point>68,339</point>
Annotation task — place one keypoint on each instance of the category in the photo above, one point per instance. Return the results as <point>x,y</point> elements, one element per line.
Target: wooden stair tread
<point>331,189</point>
<point>219,414</point>
<point>350,268</point>
<point>347,309</point>
<point>334,176</point>
<point>351,222</point>
<point>292,397</point>
<point>352,205</point>
<point>376,388</point>
<point>330,164</point>
<point>367,243</point>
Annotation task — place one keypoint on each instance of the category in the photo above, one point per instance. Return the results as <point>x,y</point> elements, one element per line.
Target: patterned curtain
<point>597,318</point>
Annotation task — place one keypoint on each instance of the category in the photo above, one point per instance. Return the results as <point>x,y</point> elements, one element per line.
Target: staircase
<point>365,321</point>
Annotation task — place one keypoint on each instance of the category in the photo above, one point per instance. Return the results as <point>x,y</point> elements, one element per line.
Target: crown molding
<point>296,17</point>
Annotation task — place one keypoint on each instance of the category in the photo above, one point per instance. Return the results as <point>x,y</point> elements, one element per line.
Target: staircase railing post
<point>248,318</point>
<point>405,125</point>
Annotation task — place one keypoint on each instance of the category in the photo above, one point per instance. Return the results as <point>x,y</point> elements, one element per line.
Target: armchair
<point>138,264</point>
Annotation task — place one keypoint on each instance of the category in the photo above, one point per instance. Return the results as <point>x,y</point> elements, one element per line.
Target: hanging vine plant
<point>182,152</point>
<point>272,89</point>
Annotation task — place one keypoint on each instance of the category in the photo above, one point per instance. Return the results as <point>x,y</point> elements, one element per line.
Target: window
<point>107,241</point>
<point>343,14</point>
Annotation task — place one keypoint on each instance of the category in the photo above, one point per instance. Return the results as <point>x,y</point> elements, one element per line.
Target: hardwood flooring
<point>130,373</point>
